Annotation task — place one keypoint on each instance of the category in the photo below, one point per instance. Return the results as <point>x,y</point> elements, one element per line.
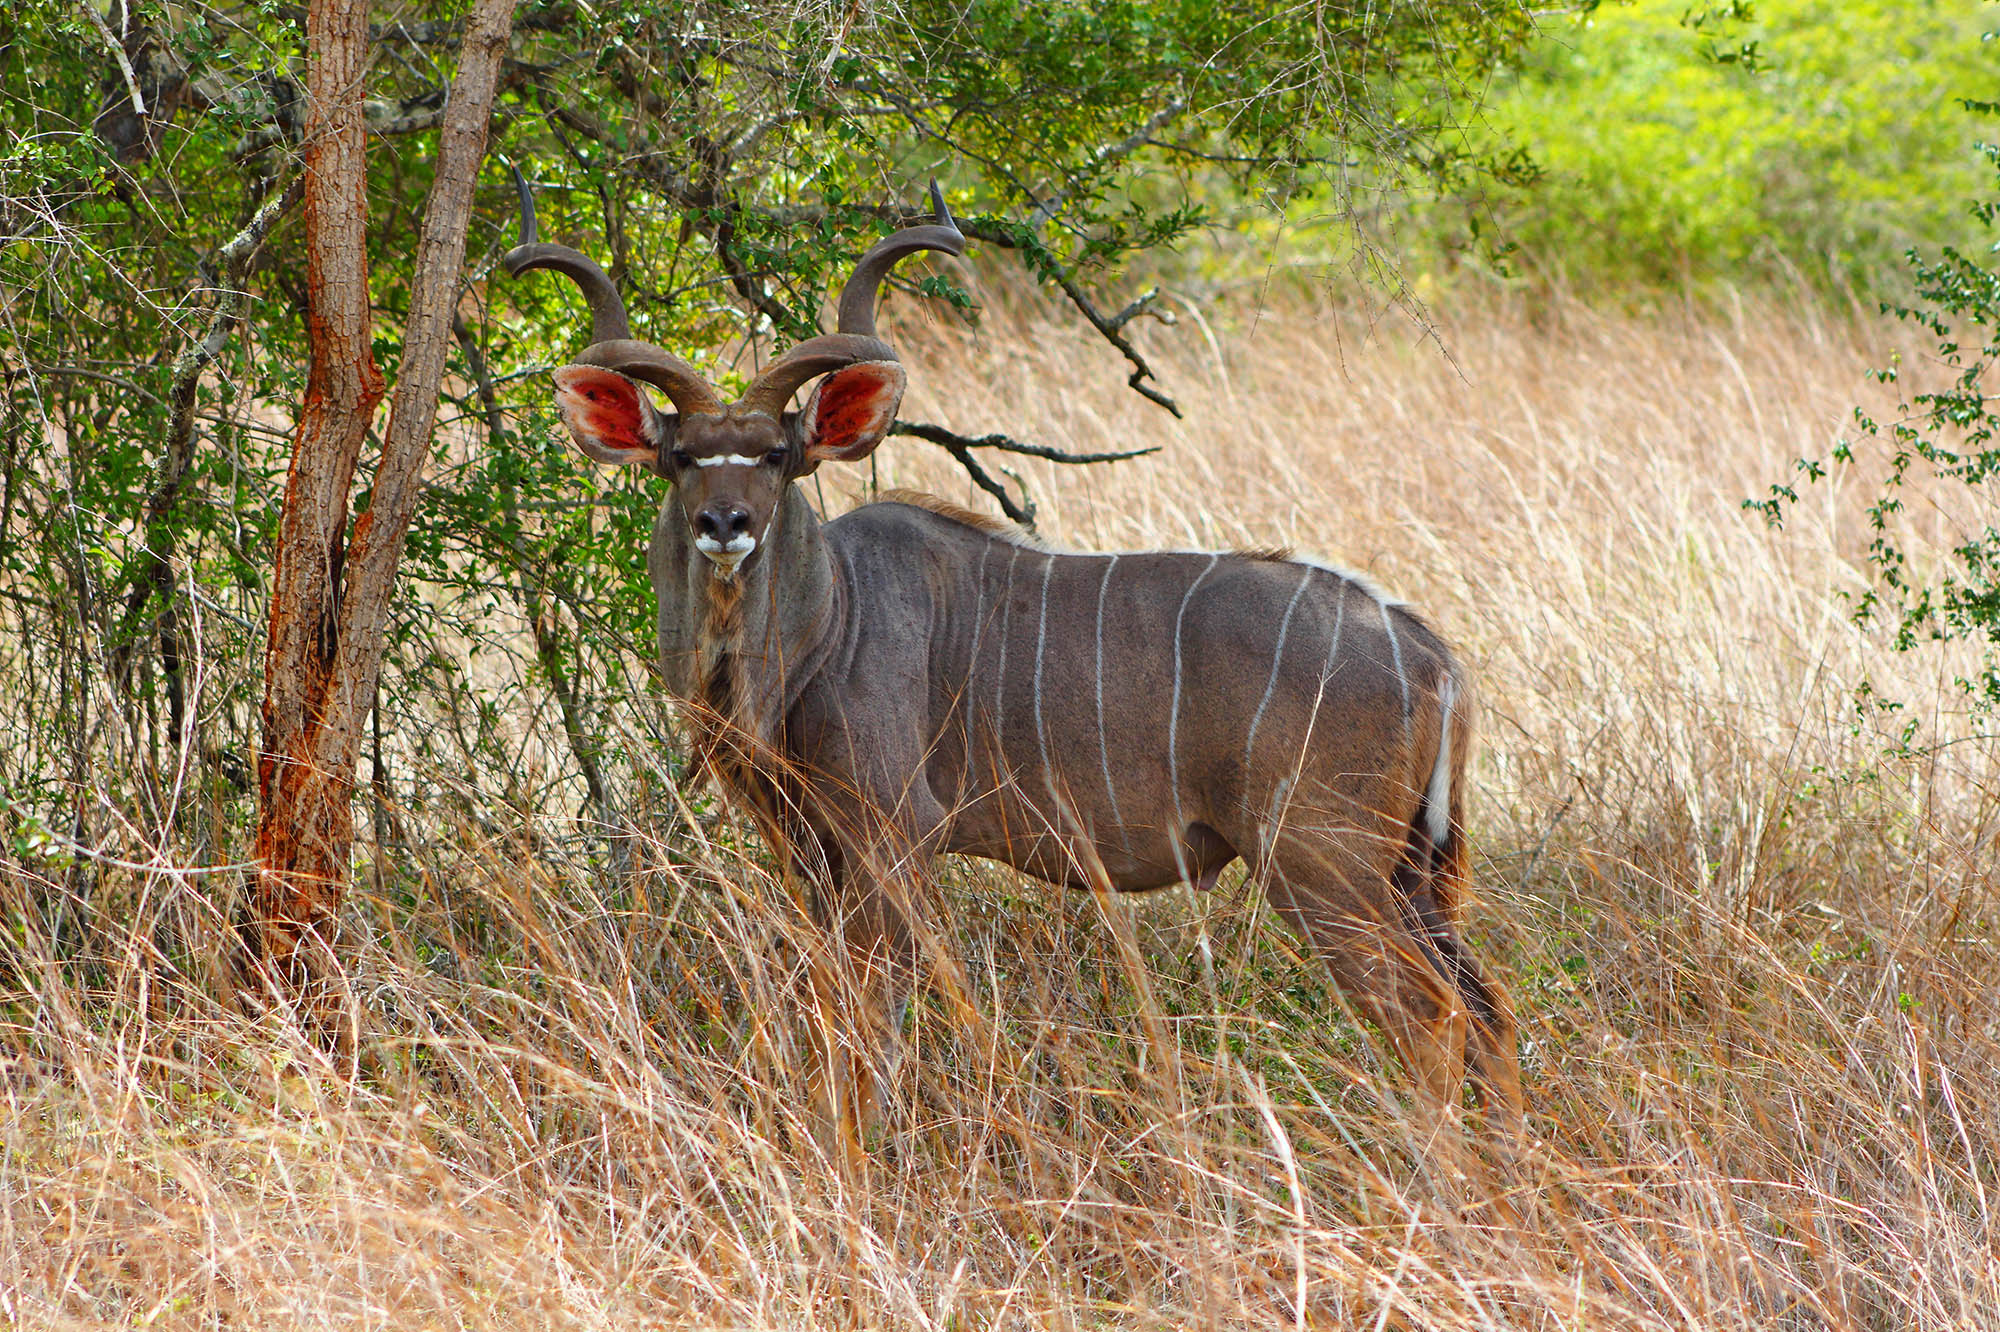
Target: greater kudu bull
<point>913,678</point>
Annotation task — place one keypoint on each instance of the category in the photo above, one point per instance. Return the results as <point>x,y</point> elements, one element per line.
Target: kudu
<point>913,678</point>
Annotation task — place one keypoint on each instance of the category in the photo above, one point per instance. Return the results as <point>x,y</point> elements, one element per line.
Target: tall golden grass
<point>1753,955</point>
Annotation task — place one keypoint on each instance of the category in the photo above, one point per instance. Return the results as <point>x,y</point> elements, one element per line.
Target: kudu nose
<point>723,522</point>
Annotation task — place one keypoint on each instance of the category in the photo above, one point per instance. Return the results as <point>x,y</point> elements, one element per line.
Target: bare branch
<point>1110,327</point>
<point>1112,330</point>
<point>230,262</point>
<point>748,140</point>
<point>117,49</point>
<point>541,623</point>
<point>1022,513</point>
<point>960,448</point>
<point>410,115</point>
<point>1008,444</point>
<point>153,571</point>
<point>1117,152</point>
<point>1143,305</point>
<point>137,390</point>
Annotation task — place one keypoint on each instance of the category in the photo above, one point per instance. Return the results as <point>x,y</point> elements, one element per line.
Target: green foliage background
<point>1811,139</point>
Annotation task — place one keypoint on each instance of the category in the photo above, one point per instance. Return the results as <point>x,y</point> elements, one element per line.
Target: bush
<point>1952,432</point>
<point>1723,141</point>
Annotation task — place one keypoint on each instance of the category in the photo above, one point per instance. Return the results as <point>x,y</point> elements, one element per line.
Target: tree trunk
<point>303,825</point>
<point>330,597</point>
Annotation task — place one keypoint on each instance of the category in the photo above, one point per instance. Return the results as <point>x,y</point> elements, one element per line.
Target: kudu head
<point>730,462</point>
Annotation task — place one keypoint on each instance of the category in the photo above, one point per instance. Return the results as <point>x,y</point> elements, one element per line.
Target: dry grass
<point>1753,957</point>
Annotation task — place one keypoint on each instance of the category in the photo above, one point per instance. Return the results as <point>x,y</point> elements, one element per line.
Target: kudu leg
<point>1490,1038</point>
<point>862,988</point>
<point>1425,882</point>
<point>1380,964</point>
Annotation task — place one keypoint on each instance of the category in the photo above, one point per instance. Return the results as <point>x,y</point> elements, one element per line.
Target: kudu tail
<point>1438,868</point>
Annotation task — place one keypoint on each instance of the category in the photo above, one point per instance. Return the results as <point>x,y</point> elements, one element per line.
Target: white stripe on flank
<point>1016,537</point>
<point>1363,581</point>
<point>1277,656</point>
<point>1275,819</point>
<point>728,460</point>
<point>1396,651</point>
<point>1174,716</point>
<point>1437,802</point>
<point>1000,675</point>
<point>972,669</point>
<point>1332,648</point>
<point>1268,834</point>
<point>1041,641</point>
<point>1103,747</point>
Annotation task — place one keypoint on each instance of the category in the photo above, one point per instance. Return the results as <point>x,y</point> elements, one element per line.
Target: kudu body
<point>911,679</point>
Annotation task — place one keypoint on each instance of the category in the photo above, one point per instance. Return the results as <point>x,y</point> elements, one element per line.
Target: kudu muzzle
<point>722,533</point>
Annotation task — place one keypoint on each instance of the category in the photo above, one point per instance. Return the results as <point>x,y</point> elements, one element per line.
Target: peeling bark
<point>330,596</point>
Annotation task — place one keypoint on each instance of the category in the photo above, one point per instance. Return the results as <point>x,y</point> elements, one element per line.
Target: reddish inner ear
<point>602,408</point>
<point>853,408</point>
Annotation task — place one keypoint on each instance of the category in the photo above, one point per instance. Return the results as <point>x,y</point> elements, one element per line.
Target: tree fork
<point>330,595</point>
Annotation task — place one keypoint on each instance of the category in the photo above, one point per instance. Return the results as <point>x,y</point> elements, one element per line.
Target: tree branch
<point>960,448</point>
<point>117,49</point>
<point>715,215</point>
<point>1110,327</point>
<point>704,199</point>
<point>375,550</point>
<point>1022,513</point>
<point>548,649</point>
<point>153,571</point>
<point>383,119</point>
<point>1117,152</point>
<point>304,824</point>
<point>1008,444</point>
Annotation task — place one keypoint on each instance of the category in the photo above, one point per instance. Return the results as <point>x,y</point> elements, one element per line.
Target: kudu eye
<point>776,457</point>
<point>681,458</point>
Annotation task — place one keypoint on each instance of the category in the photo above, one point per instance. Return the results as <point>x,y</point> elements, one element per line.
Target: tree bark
<point>330,596</point>
<point>304,826</point>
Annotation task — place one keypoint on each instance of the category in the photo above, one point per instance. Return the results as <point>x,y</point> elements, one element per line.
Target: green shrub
<point>1684,141</point>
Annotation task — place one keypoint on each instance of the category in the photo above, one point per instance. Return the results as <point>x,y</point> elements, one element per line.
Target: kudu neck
<point>752,642</point>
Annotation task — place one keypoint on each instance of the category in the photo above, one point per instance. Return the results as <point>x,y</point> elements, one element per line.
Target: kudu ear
<point>850,410</point>
<point>611,418</point>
